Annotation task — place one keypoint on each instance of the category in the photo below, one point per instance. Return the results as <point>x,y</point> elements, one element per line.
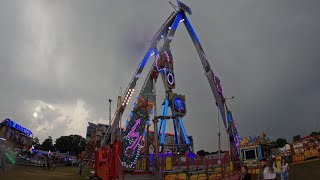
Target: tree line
<point>74,144</point>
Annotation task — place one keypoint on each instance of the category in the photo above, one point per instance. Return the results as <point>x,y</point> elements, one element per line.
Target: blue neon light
<point>260,152</point>
<point>179,105</point>
<point>191,30</point>
<point>176,21</point>
<point>145,59</point>
<point>184,131</point>
<point>176,132</point>
<point>160,123</point>
<point>18,127</point>
<point>230,117</point>
<point>156,52</point>
<point>127,122</point>
<point>164,122</point>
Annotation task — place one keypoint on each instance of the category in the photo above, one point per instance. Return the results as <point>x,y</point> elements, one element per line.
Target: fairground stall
<point>305,148</point>
<point>15,139</point>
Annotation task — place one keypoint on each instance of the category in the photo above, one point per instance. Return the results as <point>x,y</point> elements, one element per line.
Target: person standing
<point>245,174</point>
<point>270,171</point>
<point>284,170</point>
<point>48,164</point>
<point>263,162</point>
<point>80,168</point>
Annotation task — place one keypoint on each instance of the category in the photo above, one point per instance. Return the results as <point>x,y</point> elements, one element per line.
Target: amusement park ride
<point>121,152</point>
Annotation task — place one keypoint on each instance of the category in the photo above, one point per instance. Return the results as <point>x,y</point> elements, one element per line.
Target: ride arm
<point>220,100</point>
<point>124,101</point>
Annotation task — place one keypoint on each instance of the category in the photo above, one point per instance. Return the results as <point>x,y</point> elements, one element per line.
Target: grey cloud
<point>265,52</point>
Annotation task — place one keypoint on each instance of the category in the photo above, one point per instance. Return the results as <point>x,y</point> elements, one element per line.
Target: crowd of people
<point>268,170</point>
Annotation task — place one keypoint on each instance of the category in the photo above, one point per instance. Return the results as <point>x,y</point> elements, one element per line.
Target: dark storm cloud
<point>74,55</point>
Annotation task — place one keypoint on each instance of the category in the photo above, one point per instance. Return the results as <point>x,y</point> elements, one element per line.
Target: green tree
<point>315,133</point>
<point>202,153</point>
<point>47,144</point>
<point>36,143</point>
<point>296,137</point>
<point>75,144</point>
<point>281,142</point>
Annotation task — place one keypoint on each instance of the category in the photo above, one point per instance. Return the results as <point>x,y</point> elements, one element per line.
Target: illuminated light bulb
<point>169,27</point>
<point>122,104</point>
<point>161,36</point>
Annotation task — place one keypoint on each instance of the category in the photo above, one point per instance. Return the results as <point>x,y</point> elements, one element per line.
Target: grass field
<point>305,171</point>
<point>17,172</point>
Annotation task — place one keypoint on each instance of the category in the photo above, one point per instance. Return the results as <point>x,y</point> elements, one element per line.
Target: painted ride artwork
<point>253,149</point>
<point>306,148</point>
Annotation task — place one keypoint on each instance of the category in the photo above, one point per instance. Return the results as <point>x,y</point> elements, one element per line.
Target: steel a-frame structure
<point>146,101</point>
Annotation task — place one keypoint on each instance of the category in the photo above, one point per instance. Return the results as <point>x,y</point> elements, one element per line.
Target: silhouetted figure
<point>80,168</point>
<point>245,174</point>
<point>3,162</point>
<point>48,165</point>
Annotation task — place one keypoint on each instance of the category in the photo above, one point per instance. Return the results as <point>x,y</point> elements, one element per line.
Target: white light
<point>122,104</point>
<point>169,27</point>
<point>35,114</point>
<point>161,36</point>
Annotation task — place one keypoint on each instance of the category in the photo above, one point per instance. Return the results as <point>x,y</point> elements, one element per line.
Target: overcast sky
<point>62,60</point>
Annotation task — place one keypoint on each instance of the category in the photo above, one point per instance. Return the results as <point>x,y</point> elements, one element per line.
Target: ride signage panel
<point>18,127</point>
